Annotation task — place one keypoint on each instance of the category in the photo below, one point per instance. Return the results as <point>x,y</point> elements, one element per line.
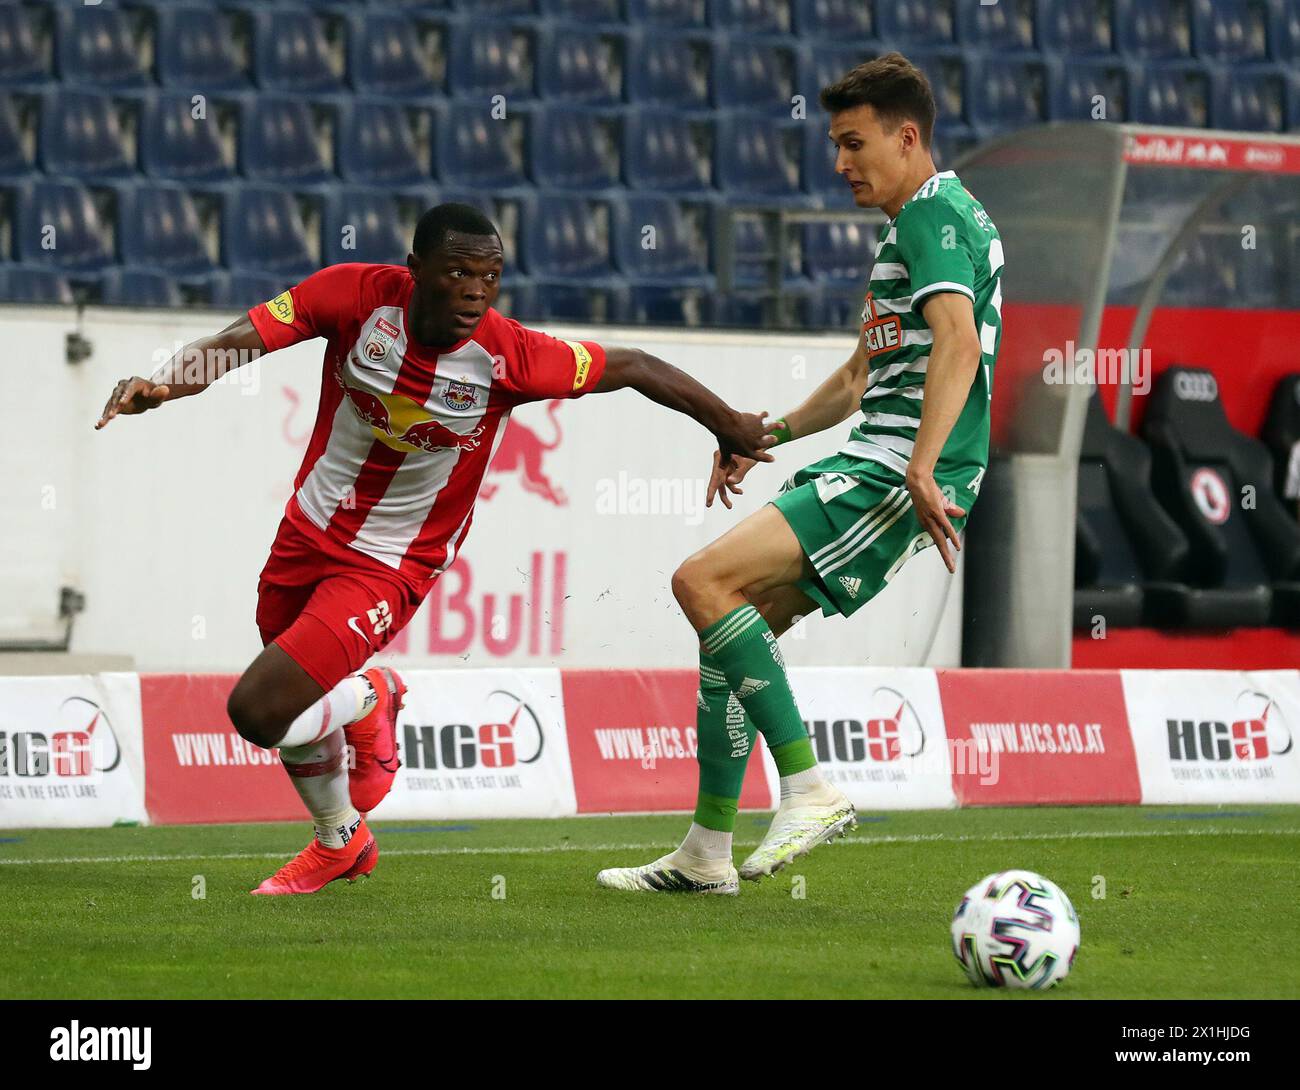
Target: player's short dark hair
<point>893,86</point>
<point>432,230</point>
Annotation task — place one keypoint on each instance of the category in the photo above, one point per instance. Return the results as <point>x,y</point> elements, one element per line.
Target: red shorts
<point>326,607</point>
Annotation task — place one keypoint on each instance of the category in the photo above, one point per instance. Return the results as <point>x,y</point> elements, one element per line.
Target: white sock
<point>351,699</point>
<point>706,843</point>
<point>801,783</point>
<point>320,775</point>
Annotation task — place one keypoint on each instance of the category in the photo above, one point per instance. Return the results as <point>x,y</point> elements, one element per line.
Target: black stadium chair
<point>1244,564</point>
<point>1124,541</point>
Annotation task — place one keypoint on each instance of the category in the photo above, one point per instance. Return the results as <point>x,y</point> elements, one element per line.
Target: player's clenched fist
<point>131,396</point>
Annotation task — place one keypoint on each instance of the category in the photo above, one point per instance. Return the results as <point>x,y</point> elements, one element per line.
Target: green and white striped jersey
<point>941,240</point>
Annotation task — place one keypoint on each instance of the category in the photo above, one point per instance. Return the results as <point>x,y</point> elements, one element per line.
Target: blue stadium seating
<point>668,152</point>
<point>393,55</point>
<point>1074,84</point>
<point>1009,26</point>
<point>363,225</point>
<point>293,52</point>
<point>839,253</point>
<point>243,290</point>
<point>82,137</point>
<point>1009,93</point>
<point>575,149</point>
<point>25,45</point>
<point>674,13</point>
<point>586,12</point>
<point>489,61</point>
<point>566,238</point>
<point>17,137</point>
<point>279,142</point>
<point>1156,29</point>
<point>581,66</point>
<point>755,76</point>
<point>671,70</point>
<point>948,73</point>
<point>177,145</point>
<point>127,287</point>
<point>34,285</point>
<point>263,230</point>
<point>197,50</point>
<point>753,16</point>
<point>103,46</point>
<point>1231,30</point>
<point>383,144</point>
<point>659,242</point>
<point>160,229</point>
<point>921,22</point>
<point>60,225</point>
<point>476,150</point>
<point>835,20</point>
<point>825,65</point>
<point>757,161</point>
<point>1172,93</point>
<point>1253,99</point>
<point>1078,27</point>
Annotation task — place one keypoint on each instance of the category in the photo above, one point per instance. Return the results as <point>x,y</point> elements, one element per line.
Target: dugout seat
<point>835,20</point>
<point>82,137</point>
<point>200,48</point>
<point>1244,560</point>
<point>1124,540</point>
<point>1281,435</point>
<point>176,145</point>
<point>671,70</point>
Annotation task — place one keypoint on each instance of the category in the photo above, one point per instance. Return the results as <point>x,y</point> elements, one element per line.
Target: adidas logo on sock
<point>851,584</point>
<point>750,686</point>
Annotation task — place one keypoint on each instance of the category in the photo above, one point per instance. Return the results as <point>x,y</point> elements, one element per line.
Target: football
<point>1015,929</point>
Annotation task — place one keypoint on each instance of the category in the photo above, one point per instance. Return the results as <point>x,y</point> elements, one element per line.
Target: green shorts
<point>855,524</point>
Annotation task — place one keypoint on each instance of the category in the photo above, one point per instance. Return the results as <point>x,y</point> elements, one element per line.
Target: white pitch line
<point>550,849</point>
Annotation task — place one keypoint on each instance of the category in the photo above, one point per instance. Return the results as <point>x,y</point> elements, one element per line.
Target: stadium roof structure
<point>1090,214</point>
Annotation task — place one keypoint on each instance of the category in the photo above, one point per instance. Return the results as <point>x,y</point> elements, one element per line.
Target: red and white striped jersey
<point>404,432</point>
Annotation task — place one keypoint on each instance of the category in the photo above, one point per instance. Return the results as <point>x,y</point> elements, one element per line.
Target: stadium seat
<point>199,49</point>
<point>1008,92</point>
<point>1154,29</point>
<point>658,241</point>
<point>566,238</point>
<point>177,145</point>
<point>297,50</point>
<point>1240,553</point>
<point>668,152</point>
<point>1255,100</point>
<point>82,136</point>
<point>381,143</point>
<point>475,150</point>
<point>825,65</point>
<point>755,76</point>
<point>1285,36</point>
<point>1077,27</point>
<point>585,12</point>
<point>1281,435</point>
<point>648,304</point>
<point>673,13</point>
<point>104,46</point>
<point>670,70</point>
<point>835,20</point>
<point>1009,26</point>
<point>17,136</point>
<point>26,44</point>
<point>59,224</point>
<point>1231,30</point>
<point>364,225</point>
<point>126,287</point>
<point>1124,540</point>
<point>839,254</point>
<point>496,8</point>
<point>946,69</point>
<point>264,230</point>
<point>551,302</point>
<point>279,142</point>
<point>575,149</point>
<point>1171,94</point>
<point>1078,88</point>
<point>759,161</point>
<point>577,65</point>
<point>927,22</point>
<point>159,228</point>
<point>242,290</point>
<point>752,16</point>
<point>34,285</point>
<point>491,61</point>
<point>395,55</point>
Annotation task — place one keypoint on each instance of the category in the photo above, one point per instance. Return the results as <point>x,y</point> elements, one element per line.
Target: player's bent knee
<point>254,721</point>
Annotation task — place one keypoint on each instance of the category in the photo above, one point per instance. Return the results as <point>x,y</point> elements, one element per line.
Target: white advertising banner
<point>481,744</point>
<point>70,751</point>
<point>1215,736</point>
<point>878,735</point>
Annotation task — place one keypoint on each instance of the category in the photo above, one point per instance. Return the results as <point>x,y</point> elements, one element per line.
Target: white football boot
<point>675,872</point>
<point>801,823</point>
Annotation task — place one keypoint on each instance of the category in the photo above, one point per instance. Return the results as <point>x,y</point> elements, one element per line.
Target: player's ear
<point>413,263</point>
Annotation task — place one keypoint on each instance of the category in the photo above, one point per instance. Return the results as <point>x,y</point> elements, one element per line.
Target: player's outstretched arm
<point>193,369</point>
<point>737,433</point>
<point>954,363</point>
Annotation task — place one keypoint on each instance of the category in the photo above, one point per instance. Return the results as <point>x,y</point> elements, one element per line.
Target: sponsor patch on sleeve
<point>582,358</point>
<point>281,307</point>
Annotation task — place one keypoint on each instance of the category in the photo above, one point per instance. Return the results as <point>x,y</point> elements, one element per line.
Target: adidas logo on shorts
<point>851,584</point>
<point>750,686</point>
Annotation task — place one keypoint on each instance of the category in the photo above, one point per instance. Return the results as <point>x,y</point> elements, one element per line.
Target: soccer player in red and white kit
<point>420,376</point>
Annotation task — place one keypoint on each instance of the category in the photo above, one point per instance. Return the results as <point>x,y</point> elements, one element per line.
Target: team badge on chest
<point>460,396</point>
<point>381,339</point>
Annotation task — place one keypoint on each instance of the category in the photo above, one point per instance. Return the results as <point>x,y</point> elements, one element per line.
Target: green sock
<point>746,651</point>
<point>724,738</point>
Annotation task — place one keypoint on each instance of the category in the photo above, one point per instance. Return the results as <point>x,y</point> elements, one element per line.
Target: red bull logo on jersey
<point>460,396</point>
<point>406,425</point>
<point>381,339</point>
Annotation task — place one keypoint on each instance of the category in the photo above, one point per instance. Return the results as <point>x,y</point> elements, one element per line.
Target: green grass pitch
<point>1198,903</point>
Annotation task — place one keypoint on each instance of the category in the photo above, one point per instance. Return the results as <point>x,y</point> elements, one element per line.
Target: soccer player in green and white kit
<point>840,529</point>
